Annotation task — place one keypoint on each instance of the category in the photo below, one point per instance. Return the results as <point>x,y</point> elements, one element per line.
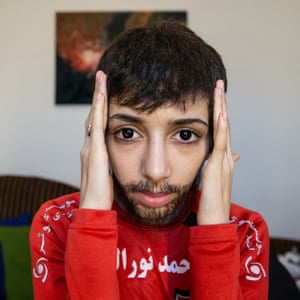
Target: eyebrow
<point>126,118</point>
<point>137,120</point>
<point>189,121</point>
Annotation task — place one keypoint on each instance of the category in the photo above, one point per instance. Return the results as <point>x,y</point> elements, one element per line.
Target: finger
<point>87,132</point>
<point>235,157</point>
<point>224,109</point>
<point>220,142</point>
<point>103,90</point>
<point>98,78</point>
<point>221,116</point>
<point>98,113</point>
<point>90,118</point>
<point>88,121</point>
<point>217,106</point>
<point>220,85</point>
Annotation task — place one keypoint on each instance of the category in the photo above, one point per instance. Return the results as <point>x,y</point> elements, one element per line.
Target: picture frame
<point>81,39</point>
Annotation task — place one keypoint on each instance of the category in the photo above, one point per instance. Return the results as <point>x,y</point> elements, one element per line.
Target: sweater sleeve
<point>73,252</point>
<point>47,246</point>
<point>230,261</point>
<point>90,258</point>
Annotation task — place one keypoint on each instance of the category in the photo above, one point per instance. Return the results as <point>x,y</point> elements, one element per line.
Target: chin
<point>156,215</point>
<point>174,212</point>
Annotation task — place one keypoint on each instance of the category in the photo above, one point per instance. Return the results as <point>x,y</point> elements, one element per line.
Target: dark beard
<point>174,211</point>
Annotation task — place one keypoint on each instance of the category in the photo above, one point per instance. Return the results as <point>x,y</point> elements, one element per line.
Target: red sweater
<point>89,254</point>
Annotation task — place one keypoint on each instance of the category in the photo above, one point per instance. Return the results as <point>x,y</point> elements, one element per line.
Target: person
<point>154,217</point>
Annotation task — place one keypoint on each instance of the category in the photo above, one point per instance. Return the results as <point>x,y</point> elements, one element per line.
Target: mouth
<point>154,200</point>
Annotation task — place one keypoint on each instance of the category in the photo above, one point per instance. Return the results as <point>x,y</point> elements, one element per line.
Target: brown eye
<point>185,135</point>
<point>127,133</point>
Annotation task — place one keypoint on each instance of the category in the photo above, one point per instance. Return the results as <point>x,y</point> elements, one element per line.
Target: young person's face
<point>156,157</point>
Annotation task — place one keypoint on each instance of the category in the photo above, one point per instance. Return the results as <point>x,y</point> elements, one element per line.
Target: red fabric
<point>89,254</point>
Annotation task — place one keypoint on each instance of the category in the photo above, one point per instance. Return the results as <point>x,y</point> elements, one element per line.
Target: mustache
<point>146,186</point>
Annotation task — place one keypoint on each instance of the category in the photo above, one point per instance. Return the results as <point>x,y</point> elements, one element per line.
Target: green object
<point>17,264</point>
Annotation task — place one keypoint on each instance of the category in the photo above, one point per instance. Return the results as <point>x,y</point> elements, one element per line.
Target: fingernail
<point>99,76</point>
<point>220,91</point>
<point>224,115</point>
<point>221,84</point>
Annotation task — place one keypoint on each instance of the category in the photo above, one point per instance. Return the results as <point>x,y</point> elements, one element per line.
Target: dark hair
<point>148,67</point>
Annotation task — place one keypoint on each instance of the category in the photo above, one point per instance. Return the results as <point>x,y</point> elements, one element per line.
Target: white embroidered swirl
<point>41,269</point>
<point>254,269</point>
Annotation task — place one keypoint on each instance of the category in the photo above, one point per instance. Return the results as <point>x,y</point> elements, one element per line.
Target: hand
<point>217,177</point>
<point>96,183</point>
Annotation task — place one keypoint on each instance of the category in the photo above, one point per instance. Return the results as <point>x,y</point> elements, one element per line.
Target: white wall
<point>260,44</point>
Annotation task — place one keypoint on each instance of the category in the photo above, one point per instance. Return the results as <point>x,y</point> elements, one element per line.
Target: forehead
<point>197,108</point>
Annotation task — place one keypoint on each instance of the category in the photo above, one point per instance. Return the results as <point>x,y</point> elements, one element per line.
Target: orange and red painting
<point>81,39</point>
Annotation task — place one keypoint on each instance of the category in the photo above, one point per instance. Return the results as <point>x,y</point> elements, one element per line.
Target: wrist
<point>95,203</point>
<point>212,219</point>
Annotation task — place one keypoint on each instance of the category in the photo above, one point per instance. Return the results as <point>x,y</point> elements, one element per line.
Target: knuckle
<point>87,122</point>
<point>83,153</point>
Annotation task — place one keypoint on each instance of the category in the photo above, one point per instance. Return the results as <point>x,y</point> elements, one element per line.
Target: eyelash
<point>121,131</point>
<point>194,137</point>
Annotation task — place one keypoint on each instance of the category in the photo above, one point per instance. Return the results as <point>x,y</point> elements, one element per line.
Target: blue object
<point>17,221</point>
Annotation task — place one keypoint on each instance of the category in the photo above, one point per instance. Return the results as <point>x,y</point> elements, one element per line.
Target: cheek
<point>187,166</point>
<point>123,163</point>
<point>189,160</point>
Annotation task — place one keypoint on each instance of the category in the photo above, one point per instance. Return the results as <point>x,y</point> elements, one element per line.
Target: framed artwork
<point>81,39</point>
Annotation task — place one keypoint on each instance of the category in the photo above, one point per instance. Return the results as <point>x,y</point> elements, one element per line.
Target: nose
<point>155,164</point>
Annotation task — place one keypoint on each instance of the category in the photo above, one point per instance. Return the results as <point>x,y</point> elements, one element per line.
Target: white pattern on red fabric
<point>41,269</point>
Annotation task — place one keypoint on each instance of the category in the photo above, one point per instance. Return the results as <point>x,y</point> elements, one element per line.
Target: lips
<point>153,199</point>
